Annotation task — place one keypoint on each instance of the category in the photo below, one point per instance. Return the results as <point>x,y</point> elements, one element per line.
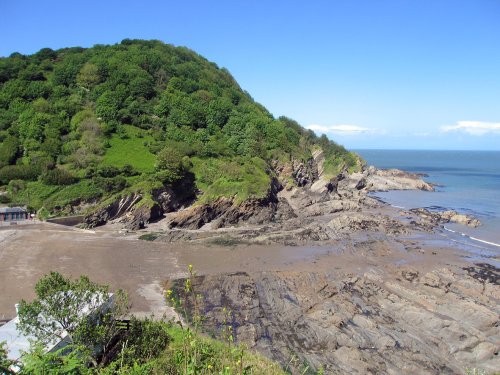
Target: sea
<point>465,181</point>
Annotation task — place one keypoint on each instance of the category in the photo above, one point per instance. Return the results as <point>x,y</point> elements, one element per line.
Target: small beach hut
<point>13,214</point>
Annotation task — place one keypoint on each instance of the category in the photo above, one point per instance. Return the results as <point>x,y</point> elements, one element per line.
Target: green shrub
<point>110,185</point>
<point>108,171</point>
<point>129,171</point>
<point>58,176</point>
<point>170,165</point>
<point>43,214</point>
<point>19,172</point>
<point>147,339</point>
<point>148,237</point>
<point>16,186</point>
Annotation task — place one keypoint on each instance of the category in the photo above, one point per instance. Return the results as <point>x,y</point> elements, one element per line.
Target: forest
<point>84,125</point>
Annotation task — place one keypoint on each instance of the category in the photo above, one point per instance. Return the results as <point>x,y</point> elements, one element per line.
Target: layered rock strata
<point>439,322</point>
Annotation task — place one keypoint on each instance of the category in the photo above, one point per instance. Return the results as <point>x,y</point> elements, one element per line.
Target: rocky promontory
<point>315,207</point>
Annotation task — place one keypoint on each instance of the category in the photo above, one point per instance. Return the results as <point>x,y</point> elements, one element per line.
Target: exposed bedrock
<point>225,211</point>
<point>443,217</point>
<point>298,190</point>
<point>135,210</point>
<point>394,179</point>
<point>440,322</point>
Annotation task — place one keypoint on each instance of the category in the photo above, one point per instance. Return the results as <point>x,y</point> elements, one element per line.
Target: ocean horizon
<point>467,181</point>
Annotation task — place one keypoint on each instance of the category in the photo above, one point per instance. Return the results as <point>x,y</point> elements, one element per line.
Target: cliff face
<point>297,189</point>
<point>374,323</point>
<point>135,210</point>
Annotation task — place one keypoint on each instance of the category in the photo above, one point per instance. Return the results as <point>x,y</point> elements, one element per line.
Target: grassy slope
<point>130,149</point>
<point>37,194</point>
<point>237,178</point>
<point>217,354</point>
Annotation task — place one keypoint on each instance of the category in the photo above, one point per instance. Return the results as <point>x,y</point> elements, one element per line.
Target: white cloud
<point>473,127</point>
<point>341,129</point>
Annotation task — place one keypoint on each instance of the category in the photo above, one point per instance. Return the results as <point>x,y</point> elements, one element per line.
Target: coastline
<point>351,285</point>
<point>415,283</point>
<point>473,234</point>
<point>465,181</point>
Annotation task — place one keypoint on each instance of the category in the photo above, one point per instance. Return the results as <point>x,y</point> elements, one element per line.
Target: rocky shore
<point>314,210</point>
<point>395,319</point>
<point>378,301</point>
<point>295,186</point>
<point>378,322</point>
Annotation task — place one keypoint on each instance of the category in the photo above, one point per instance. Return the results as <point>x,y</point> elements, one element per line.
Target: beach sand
<point>140,267</point>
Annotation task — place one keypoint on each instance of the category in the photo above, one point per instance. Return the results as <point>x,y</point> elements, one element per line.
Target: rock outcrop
<point>299,190</point>
<point>108,212</point>
<point>137,209</point>
<point>448,216</point>
<point>373,179</point>
<point>438,322</point>
<point>224,211</point>
<point>313,209</point>
<point>302,206</point>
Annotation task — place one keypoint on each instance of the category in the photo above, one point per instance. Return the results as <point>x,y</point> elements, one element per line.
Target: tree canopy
<point>75,110</point>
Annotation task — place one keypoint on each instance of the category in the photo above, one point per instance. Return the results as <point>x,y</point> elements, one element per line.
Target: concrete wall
<point>67,220</point>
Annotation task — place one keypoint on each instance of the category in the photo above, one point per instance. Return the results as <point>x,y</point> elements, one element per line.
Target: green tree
<point>9,149</point>
<point>88,76</point>
<point>218,111</point>
<point>108,105</point>
<point>79,308</point>
<point>5,362</point>
<point>169,162</point>
<point>61,362</point>
<point>142,85</point>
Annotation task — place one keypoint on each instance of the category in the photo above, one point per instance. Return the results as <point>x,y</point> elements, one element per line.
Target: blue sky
<point>370,74</point>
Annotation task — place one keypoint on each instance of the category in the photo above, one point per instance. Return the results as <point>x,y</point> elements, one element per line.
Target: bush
<point>19,172</point>
<point>147,339</point>
<point>58,177</point>
<point>108,171</point>
<point>129,171</point>
<point>110,185</point>
<point>16,186</point>
<point>169,162</point>
<point>43,213</point>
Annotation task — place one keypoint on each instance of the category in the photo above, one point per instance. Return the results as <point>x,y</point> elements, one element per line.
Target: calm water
<point>469,182</point>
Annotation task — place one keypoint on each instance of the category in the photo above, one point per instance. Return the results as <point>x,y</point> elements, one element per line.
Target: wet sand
<point>140,267</point>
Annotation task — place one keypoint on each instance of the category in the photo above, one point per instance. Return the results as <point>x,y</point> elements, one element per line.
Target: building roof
<point>17,342</point>
<point>9,210</point>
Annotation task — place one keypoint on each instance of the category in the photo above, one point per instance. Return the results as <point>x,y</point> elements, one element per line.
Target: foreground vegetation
<point>99,343</point>
<point>84,125</point>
